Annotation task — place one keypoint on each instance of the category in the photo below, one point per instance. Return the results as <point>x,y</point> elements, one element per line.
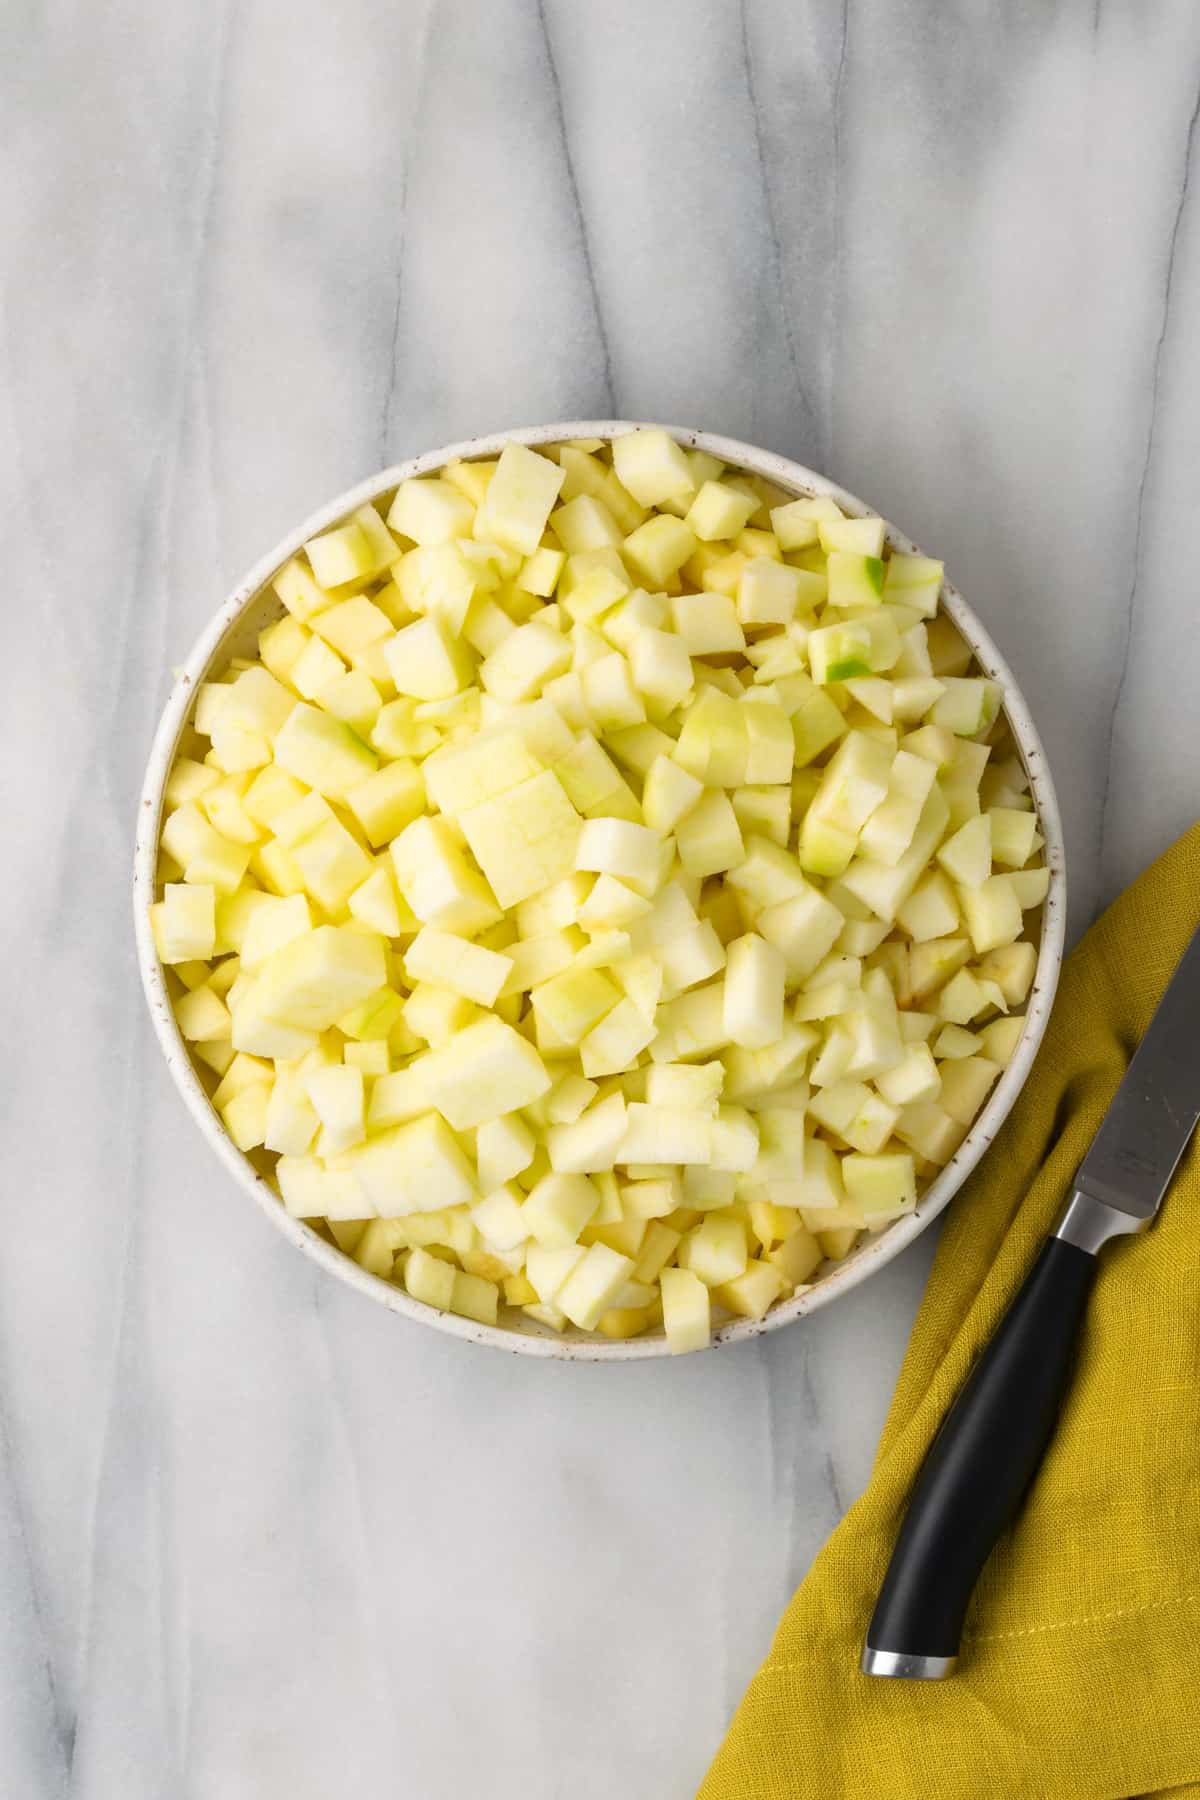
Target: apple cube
<point>1011,969</point>
<point>660,1134</point>
<point>463,775</point>
<point>915,1077</point>
<point>336,1094</point>
<point>967,706</point>
<point>992,913</point>
<point>500,1218</point>
<point>584,522</point>
<point>425,662</point>
<point>931,910</point>
<point>331,864</point>
<point>527,659</point>
<point>803,927</point>
<point>816,723</point>
<point>570,1004</point>
<point>312,981</point>
<point>661,667</point>
<point>652,467</point>
<point>707,623</point>
<point>753,1293</point>
<point>548,1267</point>
<point>377,904</point>
<point>504,1148</point>
<point>890,829</point>
<point>184,922</point>
<point>291,1121</point>
<point>400,1096</point>
<point>854,783</point>
<point>882,1186</point>
<point>855,1114</point>
<point>1030,886</point>
<point>342,555</point>
<point>754,983</point>
<point>770,747</point>
<point>557,1209</point>
<point>612,904</point>
<point>201,1015</point>
<point>206,857</point>
<point>455,963</point>
<point>588,1145</point>
<point>617,1041</point>
<point>430,511</point>
<point>840,652</point>
<point>861,536</point>
<point>714,744</point>
<point>524,839</point>
<point>519,499</point>
<point>708,837</point>
<point>438,882</point>
<point>298,590</point>
<point>715,1250</point>
<point>475,1297</point>
<point>953,1043</point>
<point>965,1086</point>
<point>428,1279</point>
<point>686,1317</point>
<point>621,848</point>
<point>1000,1039</point>
<point>1014,835</point>
<point>769,592</point>
<point>354,698</point>
<point>487,1070</point>
<point>965,997</point>
<point>272,924</point>
<point>417,1167</point>
<point>764,811</point>
<point>323,752</point>
<point>719,511</point>
<point>351,627</point>
<point>914,580</point>
<point>592,782</point>
<point>593,1285</point>
<point>388,801</point>
<point>658,549</point>
<point>796,1258</point>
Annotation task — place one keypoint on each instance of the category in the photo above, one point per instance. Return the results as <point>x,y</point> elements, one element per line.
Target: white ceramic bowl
<point>234,629</point>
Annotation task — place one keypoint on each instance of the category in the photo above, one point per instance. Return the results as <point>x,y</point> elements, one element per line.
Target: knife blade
<point>984,1458</point>
<point>1155,1109</point>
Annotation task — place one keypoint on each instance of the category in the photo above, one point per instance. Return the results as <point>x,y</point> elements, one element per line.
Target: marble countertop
<point>258,1538</point>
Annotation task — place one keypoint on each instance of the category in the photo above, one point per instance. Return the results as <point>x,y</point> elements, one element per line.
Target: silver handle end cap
<point>900,1665</point>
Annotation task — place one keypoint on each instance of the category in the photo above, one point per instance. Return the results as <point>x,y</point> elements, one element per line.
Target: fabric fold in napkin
<point>1080,1672</point>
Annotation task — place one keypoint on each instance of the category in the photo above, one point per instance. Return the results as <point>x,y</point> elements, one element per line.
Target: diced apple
<point>184,922</point>
<point>707,623</point>
<point>519,499</point>
<point>1012,968</point>
<point>652,467</point>
<point>967,856</point>
<point>593,1285</point>
<point>992,913</point>
<point>486,1071</point>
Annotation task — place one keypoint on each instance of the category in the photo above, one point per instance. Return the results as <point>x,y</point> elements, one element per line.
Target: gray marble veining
<point>256,1538</point>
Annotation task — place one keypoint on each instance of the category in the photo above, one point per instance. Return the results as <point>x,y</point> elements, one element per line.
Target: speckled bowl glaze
<point>233,630</point>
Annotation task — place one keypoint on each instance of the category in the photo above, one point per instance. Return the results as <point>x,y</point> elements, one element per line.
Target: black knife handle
<point>978,1469</point>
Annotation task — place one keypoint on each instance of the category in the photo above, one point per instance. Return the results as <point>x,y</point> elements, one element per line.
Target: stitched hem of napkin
<point>993,1637</point>
<point>1122,1612</point>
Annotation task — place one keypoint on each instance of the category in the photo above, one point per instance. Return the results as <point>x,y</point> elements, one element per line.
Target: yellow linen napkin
<point>1080,1671</point>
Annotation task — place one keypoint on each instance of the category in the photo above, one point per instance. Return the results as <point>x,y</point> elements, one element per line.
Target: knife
<point>993,1438</point>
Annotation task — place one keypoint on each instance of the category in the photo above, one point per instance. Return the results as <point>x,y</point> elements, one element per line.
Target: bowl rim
<point>862,1263</point>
